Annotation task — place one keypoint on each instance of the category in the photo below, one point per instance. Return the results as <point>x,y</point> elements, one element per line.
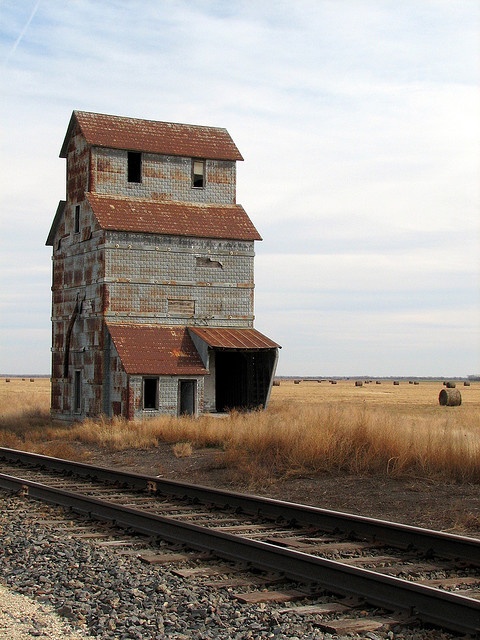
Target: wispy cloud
<point>359,126</point>
<point>22,32</point>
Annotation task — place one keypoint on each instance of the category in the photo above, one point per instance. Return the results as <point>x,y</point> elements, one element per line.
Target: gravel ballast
<point>75,588</point>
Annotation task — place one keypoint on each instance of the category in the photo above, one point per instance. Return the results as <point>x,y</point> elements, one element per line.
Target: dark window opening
<point>150,393</point>
<point>77,391</point>
<point>198,171</point>
<point>77,218</point>
<point>134,166</point>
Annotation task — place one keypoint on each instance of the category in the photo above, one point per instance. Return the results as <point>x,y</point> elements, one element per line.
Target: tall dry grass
<point>305,431</point>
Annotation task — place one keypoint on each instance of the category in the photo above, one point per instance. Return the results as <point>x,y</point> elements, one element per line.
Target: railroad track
<point>431,576</point>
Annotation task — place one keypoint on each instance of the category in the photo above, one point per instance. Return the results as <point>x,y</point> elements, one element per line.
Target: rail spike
<point>151,486</point>
<point>23,491</point>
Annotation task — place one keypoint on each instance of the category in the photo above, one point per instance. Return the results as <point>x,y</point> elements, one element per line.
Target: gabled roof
<point>156,350</point>
<point>233,338</point>
<point>167,138</point>
<point>173,218</point>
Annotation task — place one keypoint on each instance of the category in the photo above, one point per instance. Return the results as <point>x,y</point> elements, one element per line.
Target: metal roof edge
<point>56,220</point>
<point>200,332</point>
<point>68,135</point>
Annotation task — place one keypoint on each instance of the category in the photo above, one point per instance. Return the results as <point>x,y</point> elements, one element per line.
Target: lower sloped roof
<point>233,338</point>
<point>156,350</point>
<point>167,217</point>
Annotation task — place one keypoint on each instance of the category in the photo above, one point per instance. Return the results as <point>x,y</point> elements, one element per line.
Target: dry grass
<point>309,428</point>
<point>182,449</point>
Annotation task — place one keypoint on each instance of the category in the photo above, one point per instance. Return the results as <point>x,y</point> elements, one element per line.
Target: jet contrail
<point>22,33</point>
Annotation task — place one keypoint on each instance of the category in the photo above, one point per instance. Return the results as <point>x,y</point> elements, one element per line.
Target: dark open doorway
<point>242,378</point>
<point>187,392</point>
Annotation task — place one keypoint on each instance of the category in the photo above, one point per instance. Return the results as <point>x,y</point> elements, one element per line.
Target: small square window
<point>77,219</point>
<point>198,174</point>
<point>134,166</point>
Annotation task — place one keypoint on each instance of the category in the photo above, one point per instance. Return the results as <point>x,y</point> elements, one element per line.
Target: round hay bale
<point>450,385</point>
<point>450,398</point>
<point>296,382</point>
<point>378,382</point>
<point>396,382</point>
<point>466,383</point>
<point>416,382</point>
<point>358,383</point>
<point>276,383</point>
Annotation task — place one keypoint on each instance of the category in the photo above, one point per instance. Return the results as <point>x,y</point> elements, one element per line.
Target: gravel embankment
<point>111,596</point>
<point>23,619</point>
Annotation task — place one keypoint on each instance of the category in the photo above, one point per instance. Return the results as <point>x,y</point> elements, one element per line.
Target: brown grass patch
<point>308,429</point>
<point>182,449</point>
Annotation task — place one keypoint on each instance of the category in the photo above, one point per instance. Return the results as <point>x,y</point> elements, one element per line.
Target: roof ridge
<point>167,122</point>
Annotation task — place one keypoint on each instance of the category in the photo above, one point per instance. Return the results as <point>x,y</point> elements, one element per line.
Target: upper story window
<point>76,223</point>
<point>134,166</point>
<point>198,174</point>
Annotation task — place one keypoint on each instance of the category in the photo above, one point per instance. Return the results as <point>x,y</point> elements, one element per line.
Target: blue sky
<point>359,124</point>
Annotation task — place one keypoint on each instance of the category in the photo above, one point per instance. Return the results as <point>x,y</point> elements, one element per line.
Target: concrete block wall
<point>163,178</point>
<point>78,161</point>
<point>78,270</point>
<point>167,396</point>
<point>143,272</point>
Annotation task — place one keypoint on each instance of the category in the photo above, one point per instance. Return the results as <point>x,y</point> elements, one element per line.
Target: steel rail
<point>441,608</point>
<point>397,535</point>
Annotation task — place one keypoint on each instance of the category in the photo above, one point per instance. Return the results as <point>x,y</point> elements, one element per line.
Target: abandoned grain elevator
<point>153,280</point>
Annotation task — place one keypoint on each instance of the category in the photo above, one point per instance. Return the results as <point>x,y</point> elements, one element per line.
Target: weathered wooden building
<point>153,274</point>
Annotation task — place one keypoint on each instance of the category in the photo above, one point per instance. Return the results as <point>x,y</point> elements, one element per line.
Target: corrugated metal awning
<point>233,338</point>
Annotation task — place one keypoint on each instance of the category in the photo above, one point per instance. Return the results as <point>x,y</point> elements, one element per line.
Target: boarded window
<point>150,393</point>
<point>208,262</point>
<point>180,307</point>
<point>134,166</point>
<point>198,174</point>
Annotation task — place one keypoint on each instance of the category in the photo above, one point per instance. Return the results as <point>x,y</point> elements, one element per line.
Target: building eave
<point>56,221</point>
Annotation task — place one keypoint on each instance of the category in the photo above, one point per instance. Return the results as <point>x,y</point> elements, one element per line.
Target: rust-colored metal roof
<point>156,350</point>
<point>233,338</point>
<point>168,138</point>
<point>173,218</point>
